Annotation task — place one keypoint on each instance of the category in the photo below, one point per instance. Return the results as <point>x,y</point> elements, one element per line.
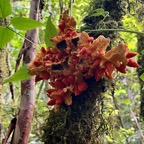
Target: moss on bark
<point>116,9</point>
<point>80,123</point>
<point>140,71</point>
<point>83,122</point>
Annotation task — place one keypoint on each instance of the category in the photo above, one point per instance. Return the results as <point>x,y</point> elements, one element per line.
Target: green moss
<point>141,71</point>
<point>84,122</point>
<point>80,123</point>
<point>116,9</point>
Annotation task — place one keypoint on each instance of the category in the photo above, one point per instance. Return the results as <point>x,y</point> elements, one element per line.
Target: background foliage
<point>121,106</point>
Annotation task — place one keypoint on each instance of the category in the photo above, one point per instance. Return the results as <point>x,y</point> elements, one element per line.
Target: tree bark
<point>83,121</point>
<point>140,48</point>
<point>27,103</point>
<point>140,45</point>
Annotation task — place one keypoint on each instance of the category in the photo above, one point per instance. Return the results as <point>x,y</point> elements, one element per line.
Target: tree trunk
<point>25,116</point>
<point>140,48</point>
<point>141,71</point>
<point>80,123</point>
<point>83,121</point>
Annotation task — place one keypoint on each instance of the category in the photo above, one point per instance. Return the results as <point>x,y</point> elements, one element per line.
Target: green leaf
<point>142,76</point>
<point>5,36</point>
<point>126,101</point>
<point>20,74</point>
<point>22,23</point>
<point>5,8</point>
<point>50,32</point>
<point>99,12</point>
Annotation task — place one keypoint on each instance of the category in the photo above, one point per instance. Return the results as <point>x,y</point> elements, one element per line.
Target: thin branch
<point>119,116</point>
<point>40,89</point>
<point>10,130</point>
<point>11,85</point>
<point>22,36</point>
<point>137,124</point>
<point>120,30</point>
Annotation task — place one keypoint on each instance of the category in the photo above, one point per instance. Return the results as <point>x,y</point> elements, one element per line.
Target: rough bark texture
<point>141,71</point>
<point>22,130</point>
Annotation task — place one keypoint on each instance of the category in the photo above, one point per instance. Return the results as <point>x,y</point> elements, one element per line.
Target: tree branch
<point>120,30</point>
<point>27,103</point>
<point>137,124</point>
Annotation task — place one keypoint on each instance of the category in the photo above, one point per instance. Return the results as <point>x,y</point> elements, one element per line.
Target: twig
<point>119,117</point>
<point>21,36</point>
<point>120,30</point>
<point>40,89</point>
<point>137,124</point>
<point>10,130</point>
<point>11,85</point>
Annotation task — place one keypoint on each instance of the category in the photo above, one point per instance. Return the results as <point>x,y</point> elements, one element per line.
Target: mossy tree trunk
<point>83,122</point>
<point>141,71</point>
<point>140,50</point>
<point>80,123</point>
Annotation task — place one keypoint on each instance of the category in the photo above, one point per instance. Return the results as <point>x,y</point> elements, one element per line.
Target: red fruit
<point>121,68</point>
<point>52,102</point>
<point>76,91</point>
<point>62,26</point>
<point>66,81</point>
<point>59,84</point>
<point>38,78</point>
<point>132,63</point>
<point>130,54</point>
<point>43,50</point>
<point>99,73</point>
<point>96,62</point>
<point>37,63</point>
<point>71,79</point>
<point>82,86</point>
<point>45,75</point>
<point>59,101</point>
